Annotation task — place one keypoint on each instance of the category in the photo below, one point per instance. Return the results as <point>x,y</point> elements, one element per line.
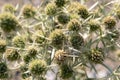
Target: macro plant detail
<point>60,40</point>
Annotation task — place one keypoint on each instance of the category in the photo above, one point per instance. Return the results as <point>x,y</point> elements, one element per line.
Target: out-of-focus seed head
<point>8,8</point>
<point>51,9</point>
<point>39,37</point>
<point>94,25</point>
<point>8,22</point>
<point>32,51</point>
<point>96,56</point>
<point>76,41</point>
<point>60,3</point>
<point>60,56</point>
<point>110,22</point>
<point>28,11</point>
<point>66,71</point>
<point>57,38</point>
<point>19,41</point>
<point>2,45</point>
<point>3,70</point>
<point>74,25</point>
<point>23,68</point>
<point>118,14</point>
<point>63,18</point>
<point>83,12</point>
<point>37,67</point>
<point>27,58</point>
<point>12,55</point>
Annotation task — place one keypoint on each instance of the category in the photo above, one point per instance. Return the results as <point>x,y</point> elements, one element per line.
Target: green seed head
<point>27,58</point>
<point>83,12</point>
<point>12,55</point>
<point>2,45</point>
<point>8,22</point>
<point>76,41</point>
<point>94,25</point>
<point>63,18</point>
<point>66,71</point>
<point>19,41</point>
<point>3,70</point>
<point>96,56</point>
<point>37,67</point>
<point>51,9</point>
<point>28,11</point>
<point>110,22</point>
<point>73,25</point>
<point>8,8</point>
<point>32,51</point>
<point>60,3</point>
<point>57,38</point>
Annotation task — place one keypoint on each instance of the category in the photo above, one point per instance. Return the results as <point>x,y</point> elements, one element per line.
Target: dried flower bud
<point>2,46</point>
<point>60,56</point>
<point>76,41</point>
<point>51,9</point>
<point>37,67</point>
<point>57,38</point>
<point>110,22</point>
<point>28,11</point>
<point>83,12</point>
<point>8,22</point>
<point>94,25</point>
<point>96,56</point>
<point>8,8</point>
<point>66,71</point>
<point>60,3</point>
<point>12,55</point>
<point>63,18</point>
<point>3,70</point>
<point>19,41</point>
<point>74,25</point>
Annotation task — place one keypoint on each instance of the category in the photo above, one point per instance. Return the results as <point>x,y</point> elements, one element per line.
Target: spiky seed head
<point>8,8</point>
<point>74,25</point>
<point>60,3</point>
<point>60,56</point>
<point>28,11</point>
<point>110,22</point>
<point>51,9</point>
<point>2,45</point>
<point>19,41</point>
<point>76,41</point>
<point>3,70</point>
<point>32,51</point>
<point>66,71</point>
<point>8,22</point>
<point>94,25</point>
<point>27,58</point>
<point>83,12</point>
<point>39,37</point>
<point>63,18</point>
<point>37,67</point>
<point>57,38</point>
<point>12,55</point>
<point>96,56</point>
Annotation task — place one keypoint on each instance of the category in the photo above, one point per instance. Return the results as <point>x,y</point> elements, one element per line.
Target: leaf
<point>110,70</point>
<point>53,53</point>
